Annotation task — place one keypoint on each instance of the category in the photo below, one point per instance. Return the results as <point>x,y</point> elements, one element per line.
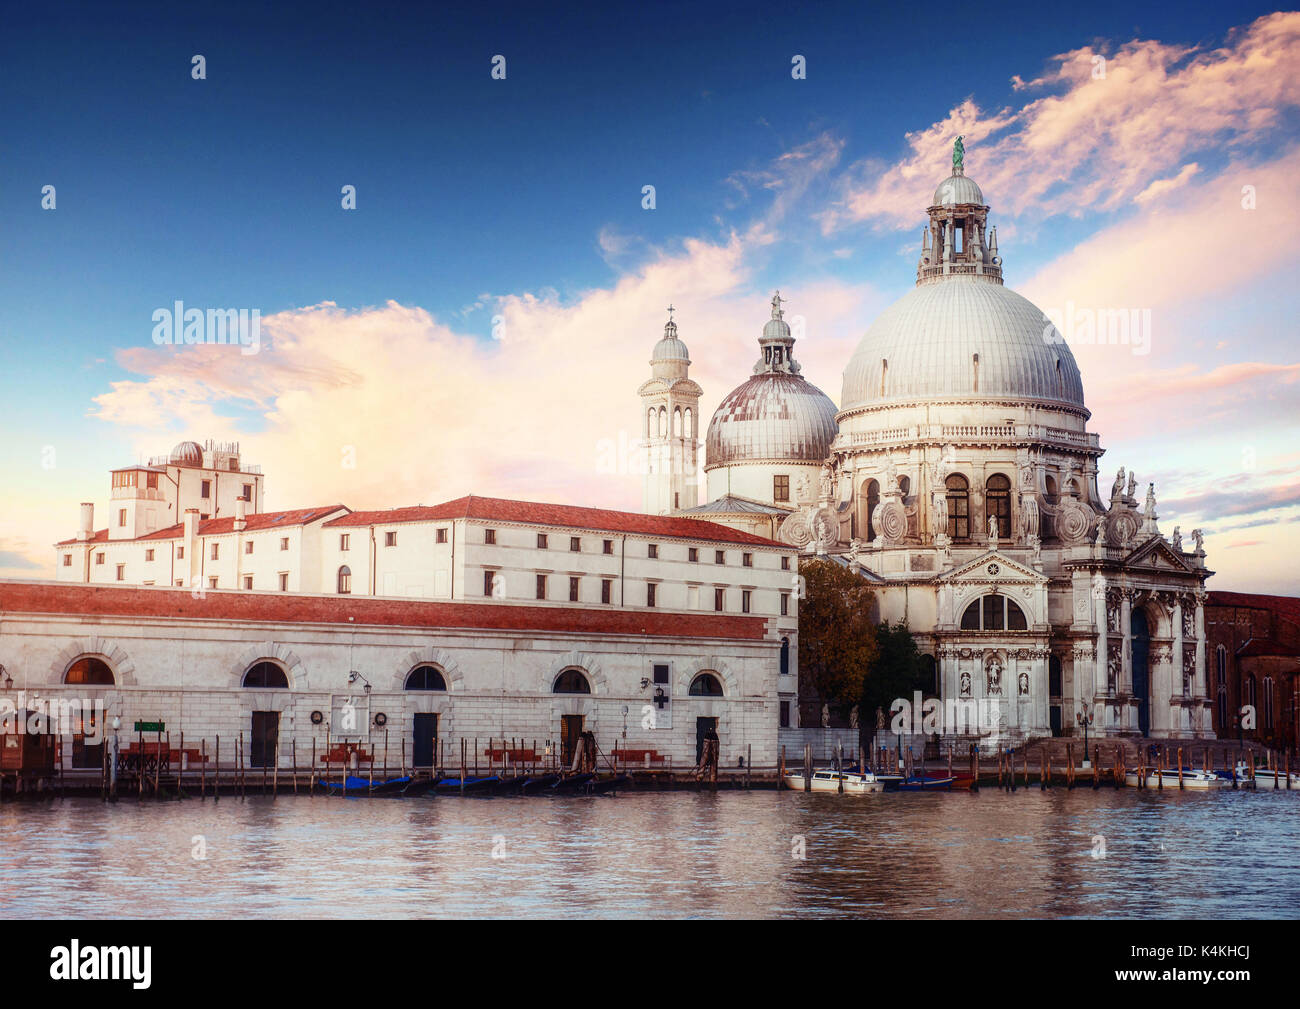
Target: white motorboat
<point>1264,777</point>
<point>1192,778</point>
<point>828,780</point>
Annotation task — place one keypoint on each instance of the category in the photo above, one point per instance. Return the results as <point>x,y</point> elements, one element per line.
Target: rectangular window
<point>575,544</point>
<point>151,481</point>
<point>205,489</point>
<point>390,538</point>
<point>121,518</point>
<point>606,590</point>
<point>441,535</point>
<point>204,516</point>
<point>608,546</point>
<point>542,541</point>
<point>99,558</point>
<point>248,546</point>
<point>785,604</point>
<point>662,672</point>
<point>654,550</point>
<point>284,542</point>
<point>67,560</point>
<point>719,557</point>
<point>212,582</point>
<point>573,590</point>
<point>719,598</point>
<point>216,551</point>
<point>993,610</point>
<point>284,581</point>
<point>345,541</point>
<point>747,560</point>
<point>248,583</point>
<point>489,536</point>
<point>148,555</point>
<point>780,488</point>
<point>650,594</point>
<point>693,553</point>
<point>541,586</point>
<point>121,572</point>
<point>785,715</point>
<point>744,601</point>
<point>248,492</point>
<point>487,583</point>
<point>785,563</point>
<point>180,553</point>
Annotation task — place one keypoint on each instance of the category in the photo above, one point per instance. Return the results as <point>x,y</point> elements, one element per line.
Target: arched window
<point>1251,699</point>
<point>997,498</point>
<point>90,671</point>
<point>884,374</point>
<point>994,613</point>
<point>785,656</point>
<point>677,422</point>
<point>571,681</point>
<point>1051,490</point>
<point>905,485</point>
<point>650,422</point>
<point>958,495</point>
<point>425,678</point>
<point>266,676</point>
<point>873,499</point>
<point>706,685</point>
<point>689,426</point>
<point>975,365</point>
<point>1055,687</point>
<point>345,580</point>
<point>930,675</point>
<point>1221,667</point>
<point>1268,703</point>
<point>663,422</point>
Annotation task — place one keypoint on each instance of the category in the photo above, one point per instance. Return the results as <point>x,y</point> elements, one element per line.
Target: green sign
<point>150,726</point>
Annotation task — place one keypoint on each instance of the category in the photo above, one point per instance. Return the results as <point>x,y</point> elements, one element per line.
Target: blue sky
<point>225,191</point>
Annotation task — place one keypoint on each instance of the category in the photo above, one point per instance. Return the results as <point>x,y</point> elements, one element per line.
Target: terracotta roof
<point>494,509</point>
<point>1284,606</point>
<point>226,524</point>
<point>1267,646</point>
<point>148,602</point>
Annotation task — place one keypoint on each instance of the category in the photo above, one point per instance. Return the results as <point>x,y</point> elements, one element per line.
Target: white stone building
<point>959,477</point>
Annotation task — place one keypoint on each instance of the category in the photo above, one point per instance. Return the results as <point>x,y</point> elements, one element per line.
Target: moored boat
<point>572,782</point>
<point>452,786</point>
<point>363,786</point>
<point>926,783</point>
<point>1168,778</point>
<point>829,780</point>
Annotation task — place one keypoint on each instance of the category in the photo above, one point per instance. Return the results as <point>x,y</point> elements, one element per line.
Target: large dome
<point>773,417</point>
<point>925,347</point>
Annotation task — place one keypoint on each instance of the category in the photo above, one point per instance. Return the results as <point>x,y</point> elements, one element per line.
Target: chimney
<point>191,537</point>
<point>241,522</point>
<point>87,529</point>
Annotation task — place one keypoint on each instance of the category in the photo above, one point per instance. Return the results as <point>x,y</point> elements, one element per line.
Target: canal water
<point>1058,853</point>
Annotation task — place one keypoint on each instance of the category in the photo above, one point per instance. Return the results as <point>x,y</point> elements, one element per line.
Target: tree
<point>837,638</point>
<point>896,672</point>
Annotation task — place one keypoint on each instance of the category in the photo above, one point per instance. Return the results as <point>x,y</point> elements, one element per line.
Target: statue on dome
<point>958,156</point>
<point>1176,541</point>
<point>1117,488</point>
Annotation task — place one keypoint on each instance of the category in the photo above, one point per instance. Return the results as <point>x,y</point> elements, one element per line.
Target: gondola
<point>600,786</point>
<point>477,786</point>
<point>572,782</point>
<point>363,786</point>
<point>916,783</point>
<point>537,783</point>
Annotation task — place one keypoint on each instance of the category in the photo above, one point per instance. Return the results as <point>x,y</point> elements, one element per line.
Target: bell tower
<point>669,425</point>
<point>958,241</point>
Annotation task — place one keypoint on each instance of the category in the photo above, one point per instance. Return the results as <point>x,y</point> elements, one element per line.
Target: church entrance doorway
<point>570,730</point>
<point>1141,633</point>
<point>1054,692</point>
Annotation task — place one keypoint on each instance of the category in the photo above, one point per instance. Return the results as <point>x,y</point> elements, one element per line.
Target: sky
<point>480,321</point>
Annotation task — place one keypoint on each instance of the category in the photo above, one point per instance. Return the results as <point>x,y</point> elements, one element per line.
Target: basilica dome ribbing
<point>960,334</point>
<point>775,416</point>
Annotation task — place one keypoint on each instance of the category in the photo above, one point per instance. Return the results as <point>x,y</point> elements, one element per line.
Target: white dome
<point>187,453</point>
<point>924,347</point>
<point>957,189</point>
<point>773,417</point>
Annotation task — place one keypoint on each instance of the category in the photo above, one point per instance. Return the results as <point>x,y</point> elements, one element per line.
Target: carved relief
<point>1073,522</point>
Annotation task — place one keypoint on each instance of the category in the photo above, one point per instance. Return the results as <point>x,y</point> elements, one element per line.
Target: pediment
<point>1157,554</point>
<point>992,566</point>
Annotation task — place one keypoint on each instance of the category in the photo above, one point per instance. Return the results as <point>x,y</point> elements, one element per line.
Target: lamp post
<point>1084,718</point>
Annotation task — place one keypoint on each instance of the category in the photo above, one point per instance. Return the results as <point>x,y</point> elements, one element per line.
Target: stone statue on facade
<point>965,683</point>
<point>880,718</point>
<point>826,716</point>
<point>1150,510</point>
<point>993,676</point>
<point>853,717</point>
<point>1132,486</point>
<point>939,509</point>
<point>993,532</point>
<point>1023,684</point>
<point>1199,539</point>
<point>1117,488</point>
<point>1176,541</point>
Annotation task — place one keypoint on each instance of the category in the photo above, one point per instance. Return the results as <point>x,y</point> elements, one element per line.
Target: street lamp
<point>1084,718</point>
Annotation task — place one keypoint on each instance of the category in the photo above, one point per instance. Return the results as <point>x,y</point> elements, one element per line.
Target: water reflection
<point>991,855</point>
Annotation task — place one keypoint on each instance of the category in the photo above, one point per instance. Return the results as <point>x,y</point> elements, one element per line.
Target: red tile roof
<point>492,509</point>
<point>147,603</point>
<point>1285,606</point>
<point>226,524</point>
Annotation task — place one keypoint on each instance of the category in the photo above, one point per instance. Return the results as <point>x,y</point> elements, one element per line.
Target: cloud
<point>14,560</point>
<point>1094,143</point>
<point>1162,187</point>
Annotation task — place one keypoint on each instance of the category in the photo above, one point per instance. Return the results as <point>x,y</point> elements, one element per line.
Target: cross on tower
<point>671,310</point>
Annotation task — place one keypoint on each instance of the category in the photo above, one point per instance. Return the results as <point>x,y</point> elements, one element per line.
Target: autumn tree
<point>837,638</point>
<point>896,672</point>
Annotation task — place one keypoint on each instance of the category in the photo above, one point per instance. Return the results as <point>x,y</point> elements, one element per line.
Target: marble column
<point>1099,605</point>
<point>1178,646</point>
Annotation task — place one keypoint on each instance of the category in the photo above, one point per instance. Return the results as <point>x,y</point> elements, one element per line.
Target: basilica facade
<point>959,477</point>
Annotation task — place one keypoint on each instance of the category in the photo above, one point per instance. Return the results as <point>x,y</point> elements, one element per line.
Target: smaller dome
<point>187,453</point>
<point>670,348</point>
<point>957,189</point>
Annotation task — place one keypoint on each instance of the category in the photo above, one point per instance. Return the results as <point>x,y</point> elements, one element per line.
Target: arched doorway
<point>1141,633</point>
